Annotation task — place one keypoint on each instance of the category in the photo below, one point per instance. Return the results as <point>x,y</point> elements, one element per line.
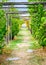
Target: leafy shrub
<point>15,27</point>
<point>2,28</point>
<point>42,34</point>
<point>38,24</point>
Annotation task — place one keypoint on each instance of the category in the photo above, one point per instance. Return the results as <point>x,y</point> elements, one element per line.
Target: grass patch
<point>13,43</point>
<point>34,45</point>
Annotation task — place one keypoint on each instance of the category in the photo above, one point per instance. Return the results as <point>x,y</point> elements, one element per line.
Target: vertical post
<point>10,24</point>
<point>7,35</point>
<point>9,31</point>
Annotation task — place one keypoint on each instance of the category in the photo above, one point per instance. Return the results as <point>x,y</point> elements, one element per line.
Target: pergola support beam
<point>23,3</point>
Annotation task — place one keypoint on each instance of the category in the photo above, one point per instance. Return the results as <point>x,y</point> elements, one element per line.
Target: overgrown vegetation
<point>38,23</point>
<point>16,22</point>
<point>2,29</point>
<point>15,27</point>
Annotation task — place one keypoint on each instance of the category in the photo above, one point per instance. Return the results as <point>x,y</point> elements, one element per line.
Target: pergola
<point>7,5</point>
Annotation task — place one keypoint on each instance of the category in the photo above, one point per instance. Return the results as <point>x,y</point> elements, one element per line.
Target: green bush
<point>38,23</point>
<point>15,27</point>
<point>42,33</point>
<point>2,28</point>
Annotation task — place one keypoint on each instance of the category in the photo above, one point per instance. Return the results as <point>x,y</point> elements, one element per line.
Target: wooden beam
<point>22,3</point>
<point>22,12</point>
<point>19,12</point>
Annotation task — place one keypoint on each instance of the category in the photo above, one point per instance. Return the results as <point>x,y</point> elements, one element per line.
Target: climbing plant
<point>42,33</point>
<point>38,23</point>
<point>15,27</point>
<point>2,28</point>
<point>15,21</point>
